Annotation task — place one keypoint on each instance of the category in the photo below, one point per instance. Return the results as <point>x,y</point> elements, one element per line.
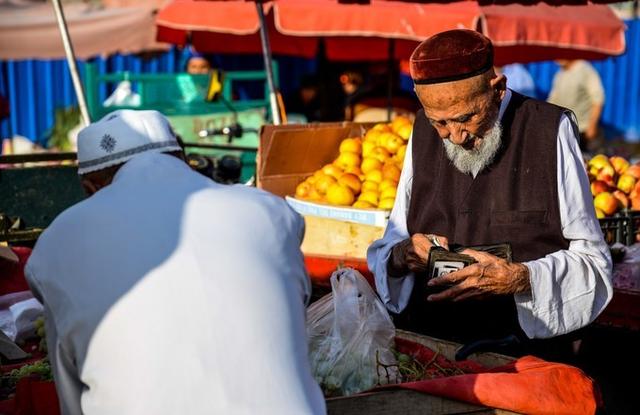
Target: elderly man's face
<point>463,111</point>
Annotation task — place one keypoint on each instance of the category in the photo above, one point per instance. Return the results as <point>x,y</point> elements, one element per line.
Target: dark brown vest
<point>514,200</point>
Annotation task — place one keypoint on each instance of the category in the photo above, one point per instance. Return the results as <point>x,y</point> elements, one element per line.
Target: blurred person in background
<point>518,79</point>
<point>354,88</point>
<point>197,64</point>
<point>307,100</point>
<point>577,86</point>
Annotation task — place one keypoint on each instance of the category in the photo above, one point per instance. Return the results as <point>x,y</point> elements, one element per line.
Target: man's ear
<point>499,84</point>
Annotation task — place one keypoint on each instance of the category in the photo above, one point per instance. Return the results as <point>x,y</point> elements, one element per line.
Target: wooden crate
<point>407,402</point>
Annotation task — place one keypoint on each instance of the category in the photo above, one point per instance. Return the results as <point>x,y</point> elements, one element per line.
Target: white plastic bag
<point>18,313</point>
<point>349,332</point>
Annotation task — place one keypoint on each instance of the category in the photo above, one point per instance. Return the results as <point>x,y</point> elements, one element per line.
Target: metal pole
<point>390,77</point>
<point>71,60</point>
<point>266,55</point>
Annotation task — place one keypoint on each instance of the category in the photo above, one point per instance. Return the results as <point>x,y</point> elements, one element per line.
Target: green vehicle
<point>203,110</point>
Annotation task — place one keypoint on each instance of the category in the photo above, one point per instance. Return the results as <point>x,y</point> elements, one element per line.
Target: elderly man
<point>485,166</point>
<point>166,293</point>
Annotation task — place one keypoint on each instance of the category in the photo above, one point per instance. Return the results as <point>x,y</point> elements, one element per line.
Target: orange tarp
<point>362,31</point>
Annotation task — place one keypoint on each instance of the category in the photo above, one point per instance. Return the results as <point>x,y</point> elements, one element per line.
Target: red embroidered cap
<point>451,56</point>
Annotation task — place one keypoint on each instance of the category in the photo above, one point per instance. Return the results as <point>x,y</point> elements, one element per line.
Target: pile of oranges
<point>366,172</point>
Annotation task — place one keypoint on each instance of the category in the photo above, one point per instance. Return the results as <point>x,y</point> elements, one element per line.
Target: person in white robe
<point>167,293</point>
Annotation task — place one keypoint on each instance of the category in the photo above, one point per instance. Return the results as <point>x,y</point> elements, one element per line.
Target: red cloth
<point>35,397</point>
<point>12,275</point>
<point>528,385</point>
<point>32,396</point>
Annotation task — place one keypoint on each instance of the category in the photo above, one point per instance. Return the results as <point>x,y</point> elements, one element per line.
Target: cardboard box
<point>287,155</point>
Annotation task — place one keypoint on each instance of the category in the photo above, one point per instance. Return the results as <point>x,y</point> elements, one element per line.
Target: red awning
<point>362,31</point>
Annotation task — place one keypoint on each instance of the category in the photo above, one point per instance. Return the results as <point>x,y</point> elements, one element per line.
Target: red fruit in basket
<point>607,178</point>
<point>623,199</point>
<point>635,200</point>
<point>606,202</point>
<point>626,183</point>
<point>634,170</point>
<point>598,162</point>
<point>598,187</point>
<point>620,164</point>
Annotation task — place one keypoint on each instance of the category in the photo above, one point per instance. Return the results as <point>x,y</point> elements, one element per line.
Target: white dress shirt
<point>166,293</point>
<point>569,288</point>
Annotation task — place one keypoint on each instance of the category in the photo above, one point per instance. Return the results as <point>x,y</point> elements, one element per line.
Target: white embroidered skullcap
<point>120,136</point>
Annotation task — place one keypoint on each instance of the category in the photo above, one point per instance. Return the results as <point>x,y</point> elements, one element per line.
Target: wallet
<point>442,261</point>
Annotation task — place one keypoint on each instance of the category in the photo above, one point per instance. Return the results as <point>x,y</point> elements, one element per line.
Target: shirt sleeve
<point>594,87</point>
<point>394,291</point>
<point>569,288</point>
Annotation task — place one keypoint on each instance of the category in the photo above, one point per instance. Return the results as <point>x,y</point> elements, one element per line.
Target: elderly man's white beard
<point>474,160</point>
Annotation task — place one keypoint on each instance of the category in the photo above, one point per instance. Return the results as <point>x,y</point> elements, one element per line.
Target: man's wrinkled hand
<point>489,276</point>
<point>412,254</point>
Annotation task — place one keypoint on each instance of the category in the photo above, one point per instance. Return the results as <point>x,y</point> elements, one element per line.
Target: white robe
<point>569,288</point>
<point>166,293</point>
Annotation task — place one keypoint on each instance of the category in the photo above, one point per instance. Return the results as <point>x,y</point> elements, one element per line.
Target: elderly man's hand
<point>489,276</point>
<point>412,254</point>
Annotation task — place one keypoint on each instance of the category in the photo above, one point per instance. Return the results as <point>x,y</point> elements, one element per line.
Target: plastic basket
<point>622,228</point>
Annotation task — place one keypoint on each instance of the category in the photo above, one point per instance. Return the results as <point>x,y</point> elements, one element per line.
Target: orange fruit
<point>332,170</point>
<point>374,176</point>
<point>363,204</point>
<point>368,185</point>
<point>391,171</point>
<point>354,170</point>
<point>303,189</point>
<point>393,143</point>
<point>401,153</point>
<point>315,196</point>
<point>372,135</point>
<point>352,145</point>
<point>387,184</point>
<point>386,204</point>
<point>370,197</point>
<point>381,154</point>
<point>369,164</point>
<point>388,193</point>
<point>405,131</point>
<point>347,159</point>
<point>398,122</point>
<point>340,195</point>
<point>381,127</point>
<point>351,181</point>
<point>323,183</point>
<point>311,179</point>
<point>367,148</point>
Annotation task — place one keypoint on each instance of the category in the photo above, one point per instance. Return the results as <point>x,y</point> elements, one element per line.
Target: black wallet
<point>442,262</point>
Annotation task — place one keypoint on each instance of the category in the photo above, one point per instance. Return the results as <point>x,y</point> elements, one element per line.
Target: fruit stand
<point>615,187</point>
<point>342,177</point>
